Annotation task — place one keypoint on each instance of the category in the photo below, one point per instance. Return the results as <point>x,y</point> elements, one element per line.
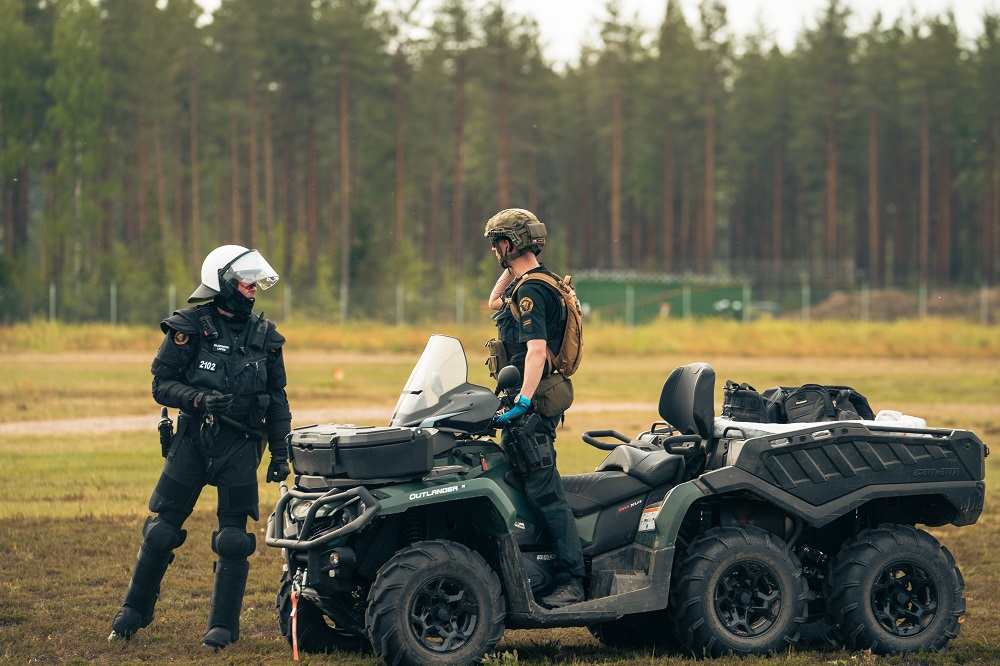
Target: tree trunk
<point>311,196</point>
<point>585,250</point>
<point>874,223</point>
<point>669,221</point>
<point>432,243</point>
<point>236,219</point>
<point>161,188</point>
<point>777,206</point>
<point>400,164</point>
<point>831,250</point>
<point>687,250</point>
<point>458,181</point>
<point>268,185</point>
<point>252,177</point>
<point>533,177</point>
<point>196,255</point>
<point>616,180</point>
<point>986,209</point>
<point>707,241</point>
<point>179,214</point>
<point>943,226</point>
<point>287,176</point>
<point>7,215</point>
<point>503,191</point>
<point>142,214</point>
<point>925,188</point>
<point>344,147</point>
<point>993,242</point>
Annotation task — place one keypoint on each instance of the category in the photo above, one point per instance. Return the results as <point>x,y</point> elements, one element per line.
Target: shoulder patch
<point>526,305</point>
<point>181,338</point>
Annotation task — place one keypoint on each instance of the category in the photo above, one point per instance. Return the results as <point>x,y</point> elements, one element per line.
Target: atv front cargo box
<point>361,452</point>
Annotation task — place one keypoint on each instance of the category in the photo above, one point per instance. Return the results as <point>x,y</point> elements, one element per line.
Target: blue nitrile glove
<point>520,408</point>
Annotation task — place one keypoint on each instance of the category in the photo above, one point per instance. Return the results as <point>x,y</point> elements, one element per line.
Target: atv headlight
<point>297,510</point>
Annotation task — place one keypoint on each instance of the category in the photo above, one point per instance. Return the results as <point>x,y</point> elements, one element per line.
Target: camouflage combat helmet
<point>520,227</point>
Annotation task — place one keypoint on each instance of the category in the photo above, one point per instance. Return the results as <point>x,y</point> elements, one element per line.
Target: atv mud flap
<point>275,535</point>
<point>523,613</point>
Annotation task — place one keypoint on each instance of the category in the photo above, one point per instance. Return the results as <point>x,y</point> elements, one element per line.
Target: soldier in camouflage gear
<point>517,238</point>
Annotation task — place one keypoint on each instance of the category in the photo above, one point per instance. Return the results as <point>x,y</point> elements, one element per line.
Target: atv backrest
<point>687,401</point>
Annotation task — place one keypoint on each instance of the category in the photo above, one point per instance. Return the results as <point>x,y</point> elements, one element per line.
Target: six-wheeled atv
<point>711,536</point>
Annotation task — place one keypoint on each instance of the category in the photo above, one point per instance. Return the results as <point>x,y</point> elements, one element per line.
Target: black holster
<point>166,429</point>
<point>529,449</point>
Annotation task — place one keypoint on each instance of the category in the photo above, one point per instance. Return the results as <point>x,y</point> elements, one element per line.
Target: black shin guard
<point>155,555</point>
<point>227,602</point>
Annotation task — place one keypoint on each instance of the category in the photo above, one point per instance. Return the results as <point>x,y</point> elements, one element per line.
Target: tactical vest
<point>508,329</point>
<point>224,363</point>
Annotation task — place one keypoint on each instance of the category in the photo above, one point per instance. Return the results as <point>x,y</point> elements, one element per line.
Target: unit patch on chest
<point>224,349</point>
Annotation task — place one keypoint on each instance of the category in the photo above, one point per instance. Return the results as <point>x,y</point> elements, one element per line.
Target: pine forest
<point>362,146</point>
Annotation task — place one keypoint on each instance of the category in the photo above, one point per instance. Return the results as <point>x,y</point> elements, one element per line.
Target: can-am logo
<point>947,471</point>
<point>431,493</point>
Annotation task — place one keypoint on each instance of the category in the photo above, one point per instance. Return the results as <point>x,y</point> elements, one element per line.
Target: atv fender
<point>405,497</point>
<point>671,514</point>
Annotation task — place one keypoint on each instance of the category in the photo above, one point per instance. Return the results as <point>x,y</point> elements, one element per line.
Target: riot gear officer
<point>221,366</point>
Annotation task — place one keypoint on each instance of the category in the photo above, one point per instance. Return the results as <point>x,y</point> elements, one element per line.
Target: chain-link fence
<point>623,298</point>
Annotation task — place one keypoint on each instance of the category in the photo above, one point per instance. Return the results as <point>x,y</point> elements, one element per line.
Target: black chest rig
<point>227,363</point>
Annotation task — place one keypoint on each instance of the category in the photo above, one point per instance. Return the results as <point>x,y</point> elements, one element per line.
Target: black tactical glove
<point>278,470</point>
<point>213,403</point>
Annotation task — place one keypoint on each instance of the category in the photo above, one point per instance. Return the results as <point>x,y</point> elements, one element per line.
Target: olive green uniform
<point>542,318</point>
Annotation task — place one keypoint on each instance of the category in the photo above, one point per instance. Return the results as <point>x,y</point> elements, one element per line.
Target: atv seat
<point>687,401</point>
<point>625,473</point>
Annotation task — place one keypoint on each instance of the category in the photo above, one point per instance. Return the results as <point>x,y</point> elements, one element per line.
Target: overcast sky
<point>567,24</point>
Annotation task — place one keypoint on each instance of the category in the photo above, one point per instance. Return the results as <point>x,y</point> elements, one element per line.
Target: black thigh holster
<point>528,448</point>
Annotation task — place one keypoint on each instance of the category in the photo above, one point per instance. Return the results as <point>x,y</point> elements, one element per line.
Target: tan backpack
<point>571,350</point>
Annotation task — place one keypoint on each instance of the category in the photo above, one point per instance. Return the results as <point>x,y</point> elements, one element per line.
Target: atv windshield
<point>441,368</point>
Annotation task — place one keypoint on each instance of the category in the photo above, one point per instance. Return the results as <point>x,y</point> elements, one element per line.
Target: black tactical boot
<point>570,592</point>
<point>155,555</point>
<point>227,602</point>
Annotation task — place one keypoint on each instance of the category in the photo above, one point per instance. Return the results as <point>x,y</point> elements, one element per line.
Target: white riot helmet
<point>229,264</point>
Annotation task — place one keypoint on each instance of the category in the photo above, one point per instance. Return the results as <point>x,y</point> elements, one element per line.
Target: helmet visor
<point>252,268</point>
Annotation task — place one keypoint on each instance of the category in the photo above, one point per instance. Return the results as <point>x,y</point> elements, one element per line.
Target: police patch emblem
<point>526,304</point>
<point>181,338</point>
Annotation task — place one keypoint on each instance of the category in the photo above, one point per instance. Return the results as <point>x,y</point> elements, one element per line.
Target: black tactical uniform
<point>542,318</point>
<point>206,353</point>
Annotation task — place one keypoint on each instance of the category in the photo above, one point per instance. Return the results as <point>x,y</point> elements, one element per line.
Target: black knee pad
<point>161,536</point>
<point>233,542</point>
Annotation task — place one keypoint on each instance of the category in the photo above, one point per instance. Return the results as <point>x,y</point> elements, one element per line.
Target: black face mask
<point>231,300</point>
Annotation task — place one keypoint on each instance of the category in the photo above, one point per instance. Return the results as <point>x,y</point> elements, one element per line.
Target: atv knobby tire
<point>435,602</point>
<point>739,591</point>
<point>895,589</point>
<point>316,635</point>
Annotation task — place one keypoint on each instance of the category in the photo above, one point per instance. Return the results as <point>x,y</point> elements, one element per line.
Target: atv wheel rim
<point>904,599</point>
<point>444,614</point>
<point>748,599</point>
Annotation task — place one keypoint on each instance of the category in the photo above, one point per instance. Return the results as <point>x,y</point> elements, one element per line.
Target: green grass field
<point>72,504</point>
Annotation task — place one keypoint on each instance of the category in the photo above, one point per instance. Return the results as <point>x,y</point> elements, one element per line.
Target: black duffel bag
<point>814,402</point>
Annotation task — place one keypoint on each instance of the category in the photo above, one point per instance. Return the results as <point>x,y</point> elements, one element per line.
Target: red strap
<point>295,626</point>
